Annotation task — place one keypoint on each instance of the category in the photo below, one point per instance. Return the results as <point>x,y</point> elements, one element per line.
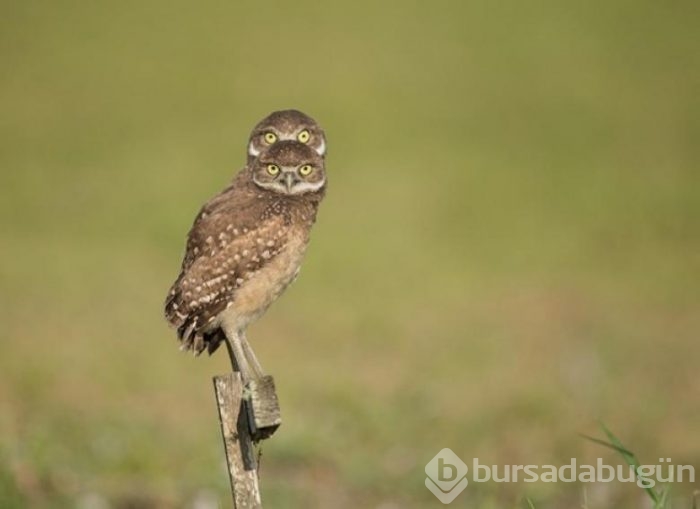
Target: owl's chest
<point>264,286</point>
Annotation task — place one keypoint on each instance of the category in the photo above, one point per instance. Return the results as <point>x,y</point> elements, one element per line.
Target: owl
<point>245,247</point>
<point>286,125</point>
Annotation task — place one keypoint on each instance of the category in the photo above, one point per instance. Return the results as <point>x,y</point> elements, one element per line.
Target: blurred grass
<point>509,248</point>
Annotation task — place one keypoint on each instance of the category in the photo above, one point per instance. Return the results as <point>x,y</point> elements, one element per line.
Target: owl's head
<point>286,125</point>
<point>290,167</point>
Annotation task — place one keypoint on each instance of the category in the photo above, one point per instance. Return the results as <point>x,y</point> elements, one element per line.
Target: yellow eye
<point>304,136</point>
<point>305,170</point>
<point>270,138</point>
<point>273,169</point>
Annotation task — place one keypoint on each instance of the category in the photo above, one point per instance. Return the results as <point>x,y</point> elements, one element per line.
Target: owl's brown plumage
<point>286,125</point>
<point>246,246</point>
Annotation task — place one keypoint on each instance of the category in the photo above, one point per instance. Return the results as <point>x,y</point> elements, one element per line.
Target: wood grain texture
<point>264,408</point>
<point>238,442</point>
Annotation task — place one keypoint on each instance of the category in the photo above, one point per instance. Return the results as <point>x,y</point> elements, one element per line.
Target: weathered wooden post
<point>247,415</point>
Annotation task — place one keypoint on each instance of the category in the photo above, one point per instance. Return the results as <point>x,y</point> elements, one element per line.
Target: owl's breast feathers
<point>244,249</point>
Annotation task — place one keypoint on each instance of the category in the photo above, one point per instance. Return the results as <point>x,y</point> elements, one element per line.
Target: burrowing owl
<point>286,125</point>
<point>245,248</point>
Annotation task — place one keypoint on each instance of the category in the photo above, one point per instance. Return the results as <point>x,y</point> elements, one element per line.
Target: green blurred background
<point>508,251</point>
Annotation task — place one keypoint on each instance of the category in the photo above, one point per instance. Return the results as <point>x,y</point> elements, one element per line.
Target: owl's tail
<point>188,332</point>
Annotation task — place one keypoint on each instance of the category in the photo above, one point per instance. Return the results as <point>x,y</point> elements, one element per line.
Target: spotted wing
<point>224,249</point>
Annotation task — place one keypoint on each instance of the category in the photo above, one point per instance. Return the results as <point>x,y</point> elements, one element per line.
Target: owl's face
<point>286,125</point>
<point>290,167</point>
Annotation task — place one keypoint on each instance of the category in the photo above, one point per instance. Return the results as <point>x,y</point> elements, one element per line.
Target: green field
<point>509,249</point>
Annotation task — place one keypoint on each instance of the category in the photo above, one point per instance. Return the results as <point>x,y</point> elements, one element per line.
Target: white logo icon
<point>446,476</point>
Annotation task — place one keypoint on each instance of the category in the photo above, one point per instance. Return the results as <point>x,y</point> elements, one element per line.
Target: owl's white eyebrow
<point>322,148</point>
<point>252,150</point>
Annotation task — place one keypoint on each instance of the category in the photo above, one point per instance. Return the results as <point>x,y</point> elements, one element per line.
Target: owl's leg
<point>254,362</point>
<point>236,353</point>
<point>231,355</point>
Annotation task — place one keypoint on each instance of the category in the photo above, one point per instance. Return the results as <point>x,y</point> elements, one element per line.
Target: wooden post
<point>238,442</point>
<point>263,408</point>
<point>247,415</point>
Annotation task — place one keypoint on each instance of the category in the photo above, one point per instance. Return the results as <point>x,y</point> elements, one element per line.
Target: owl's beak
<point>289,181</point>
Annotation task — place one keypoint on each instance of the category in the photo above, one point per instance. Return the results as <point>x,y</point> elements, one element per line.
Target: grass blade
<point>631,459</point>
